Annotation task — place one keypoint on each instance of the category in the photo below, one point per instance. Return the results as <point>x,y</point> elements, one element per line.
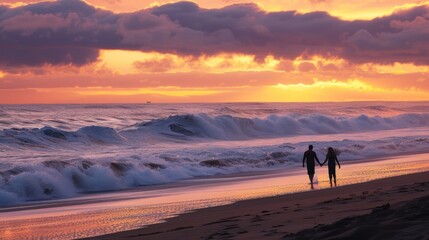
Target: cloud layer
<point>71,32</point>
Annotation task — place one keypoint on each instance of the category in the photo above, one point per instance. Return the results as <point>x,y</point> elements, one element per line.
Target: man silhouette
<point>310,155</point>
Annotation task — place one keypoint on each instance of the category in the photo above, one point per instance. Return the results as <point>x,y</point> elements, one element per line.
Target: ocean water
<point>61,151</point>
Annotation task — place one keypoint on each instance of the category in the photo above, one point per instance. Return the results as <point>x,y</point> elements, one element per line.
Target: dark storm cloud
<point>72,32</point>
<point>401,37</point>
<point>56,33</point>
<point>21,56</point>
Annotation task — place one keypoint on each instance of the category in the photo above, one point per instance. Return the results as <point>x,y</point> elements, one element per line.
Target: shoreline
<point>280,216</point>
<point>86,197</point>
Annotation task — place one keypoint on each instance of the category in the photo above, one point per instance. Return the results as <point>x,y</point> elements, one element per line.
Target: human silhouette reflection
<point>332,159</point>
<point>309,157</point>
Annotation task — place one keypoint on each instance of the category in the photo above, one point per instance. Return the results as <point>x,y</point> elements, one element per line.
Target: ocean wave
<point>227,127</point>
<point>202,126</point>
<point>54,137</point>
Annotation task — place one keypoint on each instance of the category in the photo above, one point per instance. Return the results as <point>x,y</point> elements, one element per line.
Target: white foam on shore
<point>125,167</point>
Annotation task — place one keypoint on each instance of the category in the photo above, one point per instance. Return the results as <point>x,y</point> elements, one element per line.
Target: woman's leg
<point>335,178</point>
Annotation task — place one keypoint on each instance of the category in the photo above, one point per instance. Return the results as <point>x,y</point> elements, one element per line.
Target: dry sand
<point>391,208</point>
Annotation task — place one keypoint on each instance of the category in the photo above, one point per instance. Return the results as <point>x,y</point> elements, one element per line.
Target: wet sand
<point>389,208</point>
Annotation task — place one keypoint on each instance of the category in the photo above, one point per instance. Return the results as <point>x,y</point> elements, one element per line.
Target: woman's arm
<point>326,159</point>
<point>336,159</point>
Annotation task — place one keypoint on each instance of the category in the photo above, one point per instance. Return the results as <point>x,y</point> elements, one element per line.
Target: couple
<point>331,157</point>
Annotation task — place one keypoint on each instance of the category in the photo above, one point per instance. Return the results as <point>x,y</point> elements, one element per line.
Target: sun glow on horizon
<point>341,91</point>
<point>169,91</point>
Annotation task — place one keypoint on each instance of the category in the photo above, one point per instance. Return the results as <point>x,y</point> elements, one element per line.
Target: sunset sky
<point>131,51</point>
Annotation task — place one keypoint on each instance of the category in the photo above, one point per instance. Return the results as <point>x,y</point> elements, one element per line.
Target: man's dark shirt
<point>310,156</point>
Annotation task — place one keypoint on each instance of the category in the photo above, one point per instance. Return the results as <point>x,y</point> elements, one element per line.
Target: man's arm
<point>317,159</point>
<point>303,159</point>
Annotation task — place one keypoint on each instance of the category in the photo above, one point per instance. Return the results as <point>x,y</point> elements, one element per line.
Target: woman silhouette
<point>331,157</point>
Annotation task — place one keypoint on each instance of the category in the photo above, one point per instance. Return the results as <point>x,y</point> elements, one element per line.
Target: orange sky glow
<point>131,51</point>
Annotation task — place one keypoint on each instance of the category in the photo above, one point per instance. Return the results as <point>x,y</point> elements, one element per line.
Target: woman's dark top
<point>332,158</point>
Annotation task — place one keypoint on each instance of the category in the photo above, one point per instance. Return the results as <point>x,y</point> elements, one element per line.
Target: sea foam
<point>135,149</point>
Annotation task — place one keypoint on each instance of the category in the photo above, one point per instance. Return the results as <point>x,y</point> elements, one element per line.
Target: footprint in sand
<point>256,218</point>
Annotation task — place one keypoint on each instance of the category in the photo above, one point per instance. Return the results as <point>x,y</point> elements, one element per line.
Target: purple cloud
<point>72,32</point>
<point>21,56</point>
<point>56,33</point>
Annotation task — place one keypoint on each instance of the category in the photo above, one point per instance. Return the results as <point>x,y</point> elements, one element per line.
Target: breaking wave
<point>202,126</point>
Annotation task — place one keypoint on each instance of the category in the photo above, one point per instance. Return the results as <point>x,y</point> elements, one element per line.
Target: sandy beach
<point>396,207</point>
